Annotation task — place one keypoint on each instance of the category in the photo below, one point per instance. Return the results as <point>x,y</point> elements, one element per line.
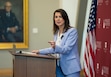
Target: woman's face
<point>59,21</point>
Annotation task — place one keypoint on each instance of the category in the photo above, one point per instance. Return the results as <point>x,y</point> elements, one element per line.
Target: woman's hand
<point>35,51</point>
<point>52,43</point>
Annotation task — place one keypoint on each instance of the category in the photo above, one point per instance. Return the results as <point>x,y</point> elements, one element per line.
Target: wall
<point>72,8</point>
<point>40,16</point>
<point>81,20</point>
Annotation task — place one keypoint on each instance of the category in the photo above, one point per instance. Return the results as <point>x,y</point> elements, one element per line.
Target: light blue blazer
<point>68,50</point>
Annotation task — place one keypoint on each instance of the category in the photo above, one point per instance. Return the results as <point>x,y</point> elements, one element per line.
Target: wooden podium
<point>34,65</point>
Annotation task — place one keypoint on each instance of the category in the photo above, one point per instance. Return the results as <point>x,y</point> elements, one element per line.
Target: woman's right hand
<point>52,43</point>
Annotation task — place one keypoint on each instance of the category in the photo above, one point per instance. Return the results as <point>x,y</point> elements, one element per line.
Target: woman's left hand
<point>52,43</point>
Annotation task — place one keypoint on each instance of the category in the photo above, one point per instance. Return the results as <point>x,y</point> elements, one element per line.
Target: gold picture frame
<point>24,43</point>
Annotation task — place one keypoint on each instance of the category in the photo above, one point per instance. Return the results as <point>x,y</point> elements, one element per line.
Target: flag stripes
<point>89,54</point>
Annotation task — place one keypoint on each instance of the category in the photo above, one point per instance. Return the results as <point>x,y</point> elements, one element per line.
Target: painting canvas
<point>13,24</point>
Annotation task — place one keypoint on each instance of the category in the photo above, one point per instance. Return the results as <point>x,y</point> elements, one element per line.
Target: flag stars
<point>92,16</point>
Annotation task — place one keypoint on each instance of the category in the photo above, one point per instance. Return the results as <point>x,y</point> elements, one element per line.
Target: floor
<point>5,76</point>
<point>8,73</point>
<point>11,76</point>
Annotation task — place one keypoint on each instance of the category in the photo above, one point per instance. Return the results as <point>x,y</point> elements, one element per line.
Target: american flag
<point>90,45</point>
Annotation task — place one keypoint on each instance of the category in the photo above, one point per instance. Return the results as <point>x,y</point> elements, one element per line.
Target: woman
<point>64,46</point>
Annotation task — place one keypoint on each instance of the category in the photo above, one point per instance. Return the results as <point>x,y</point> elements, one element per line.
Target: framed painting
<point>13,24</point>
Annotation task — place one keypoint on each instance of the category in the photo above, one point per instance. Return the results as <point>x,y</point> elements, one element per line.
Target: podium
<point>34,65</point>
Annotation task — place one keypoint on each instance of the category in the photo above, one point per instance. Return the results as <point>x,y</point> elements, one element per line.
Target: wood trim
<point>82,73</point>
<point>9,72</point>
<point>6,72</point>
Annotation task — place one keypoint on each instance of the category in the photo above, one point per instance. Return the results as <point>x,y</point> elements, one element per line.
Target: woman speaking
<point>65,46</point>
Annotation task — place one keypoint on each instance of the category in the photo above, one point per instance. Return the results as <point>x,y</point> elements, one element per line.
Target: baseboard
<point>9,72</point>
<point>82,73</point>
<point>6,72</point>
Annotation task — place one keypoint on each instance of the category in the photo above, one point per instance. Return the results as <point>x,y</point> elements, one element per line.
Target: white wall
<point>72,8</point>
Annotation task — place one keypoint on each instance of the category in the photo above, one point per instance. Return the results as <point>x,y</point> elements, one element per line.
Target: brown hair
<point>66,19</point>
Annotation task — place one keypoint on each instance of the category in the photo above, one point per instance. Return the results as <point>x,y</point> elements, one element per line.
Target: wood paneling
<point>41,67</point>
<point>6,72</point>
<point>34,66</point>
<point>20,66</point>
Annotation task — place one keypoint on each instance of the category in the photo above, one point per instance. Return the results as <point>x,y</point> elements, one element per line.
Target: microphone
<point>62,36</point>
<point>19,52</point>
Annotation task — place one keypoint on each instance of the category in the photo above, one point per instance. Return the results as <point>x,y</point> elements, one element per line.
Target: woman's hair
<point>66,19</point>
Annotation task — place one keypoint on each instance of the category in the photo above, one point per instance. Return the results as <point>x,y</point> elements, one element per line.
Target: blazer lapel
<point>65,35</point>
<point>64,38</point>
